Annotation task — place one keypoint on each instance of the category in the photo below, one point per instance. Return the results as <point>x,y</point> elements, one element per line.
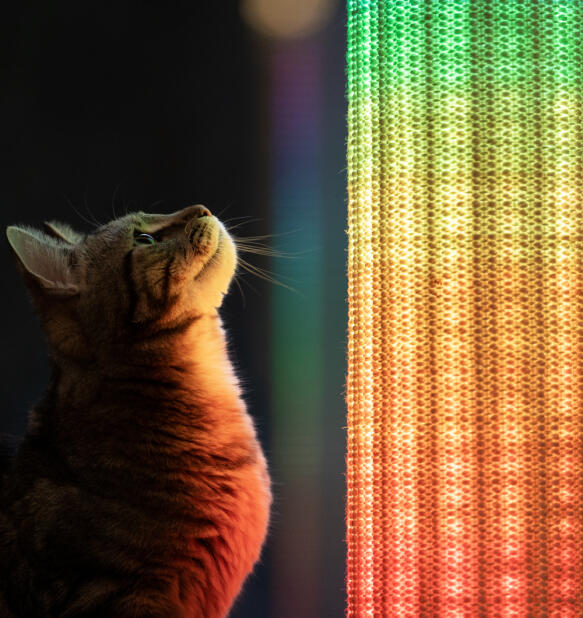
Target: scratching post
<point>465,287</point>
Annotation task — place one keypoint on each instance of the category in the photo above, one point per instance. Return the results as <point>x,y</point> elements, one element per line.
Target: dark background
<point>108,108</point>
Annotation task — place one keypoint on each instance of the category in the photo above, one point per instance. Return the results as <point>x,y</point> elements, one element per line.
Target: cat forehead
<point>141,220</point>
<point>114,229</point>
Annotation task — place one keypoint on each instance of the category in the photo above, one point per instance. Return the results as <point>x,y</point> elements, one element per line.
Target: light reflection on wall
<point>295,46</point>
<point>297,324</point>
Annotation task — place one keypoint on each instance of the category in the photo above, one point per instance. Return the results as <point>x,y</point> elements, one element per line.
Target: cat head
<point>133,275</point>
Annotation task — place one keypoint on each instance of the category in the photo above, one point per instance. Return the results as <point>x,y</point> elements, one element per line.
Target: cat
<point>140,488</point>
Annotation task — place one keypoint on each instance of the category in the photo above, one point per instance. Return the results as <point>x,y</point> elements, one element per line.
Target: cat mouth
<point>211,259</point>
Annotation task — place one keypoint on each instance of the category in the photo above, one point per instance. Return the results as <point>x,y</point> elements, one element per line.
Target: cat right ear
<point>45,261</point>
<point>63,231</point>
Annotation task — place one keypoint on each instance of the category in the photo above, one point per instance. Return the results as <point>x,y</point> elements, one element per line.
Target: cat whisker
<point>233,218</point>
<point>242,277</point>
<point>262,274</point>
<point>88,210</point>
<point>224,209</point>
<point>81,216</point>
<point>236,280</point>
<point>261,250</point>
<point>113,200</point>
<point>269,235</point>
<point>250,244</point>
<point>258,268</point>
<point>252,238</point>
<point>234,227</point>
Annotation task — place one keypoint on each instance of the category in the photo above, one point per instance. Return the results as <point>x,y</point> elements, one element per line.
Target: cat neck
<point>187,363</point>
<point>171,395</point>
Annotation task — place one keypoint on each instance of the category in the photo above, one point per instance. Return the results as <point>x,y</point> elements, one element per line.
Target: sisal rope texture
<point>465,288</point>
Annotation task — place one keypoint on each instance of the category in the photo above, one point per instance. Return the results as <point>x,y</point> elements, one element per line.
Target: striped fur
<point>140,489</point>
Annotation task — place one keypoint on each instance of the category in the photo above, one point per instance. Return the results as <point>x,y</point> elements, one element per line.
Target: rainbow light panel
<point>465,330</point>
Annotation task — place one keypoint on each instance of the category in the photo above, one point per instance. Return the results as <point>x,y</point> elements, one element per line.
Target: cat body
<point>140,489</point>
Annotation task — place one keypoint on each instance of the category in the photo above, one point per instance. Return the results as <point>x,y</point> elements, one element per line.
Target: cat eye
<point>144,239</point>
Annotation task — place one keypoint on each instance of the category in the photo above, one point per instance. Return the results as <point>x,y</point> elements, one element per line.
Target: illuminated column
<point>465,287</point>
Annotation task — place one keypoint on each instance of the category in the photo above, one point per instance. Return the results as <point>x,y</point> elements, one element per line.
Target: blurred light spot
<point>287,18</point>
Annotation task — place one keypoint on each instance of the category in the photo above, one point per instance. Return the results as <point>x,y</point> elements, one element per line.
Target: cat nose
<point>201,211</point>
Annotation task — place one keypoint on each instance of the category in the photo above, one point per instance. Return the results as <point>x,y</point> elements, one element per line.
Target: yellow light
<point>285,19</point>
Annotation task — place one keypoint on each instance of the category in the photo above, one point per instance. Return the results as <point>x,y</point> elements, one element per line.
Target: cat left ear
<point>62,231</point>
<point>45,260</point>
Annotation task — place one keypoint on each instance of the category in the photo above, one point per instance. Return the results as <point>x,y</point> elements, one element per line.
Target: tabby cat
<point>140,489</point>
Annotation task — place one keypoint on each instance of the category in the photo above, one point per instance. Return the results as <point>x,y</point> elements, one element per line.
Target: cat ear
<point>63,232</point>
<point>45,260</point>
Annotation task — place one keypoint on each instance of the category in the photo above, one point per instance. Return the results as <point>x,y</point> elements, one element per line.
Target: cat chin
<point>212,282</point>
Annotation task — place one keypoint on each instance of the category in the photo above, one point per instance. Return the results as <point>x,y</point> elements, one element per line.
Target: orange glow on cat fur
<point>140,488</point>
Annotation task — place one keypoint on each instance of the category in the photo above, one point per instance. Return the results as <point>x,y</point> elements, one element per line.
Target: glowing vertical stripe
<point>297,325</point>
<point>397,444</point>
<point>465,284</point>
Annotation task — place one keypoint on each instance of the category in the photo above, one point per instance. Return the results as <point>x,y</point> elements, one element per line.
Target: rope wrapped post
<point>465,326</point>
